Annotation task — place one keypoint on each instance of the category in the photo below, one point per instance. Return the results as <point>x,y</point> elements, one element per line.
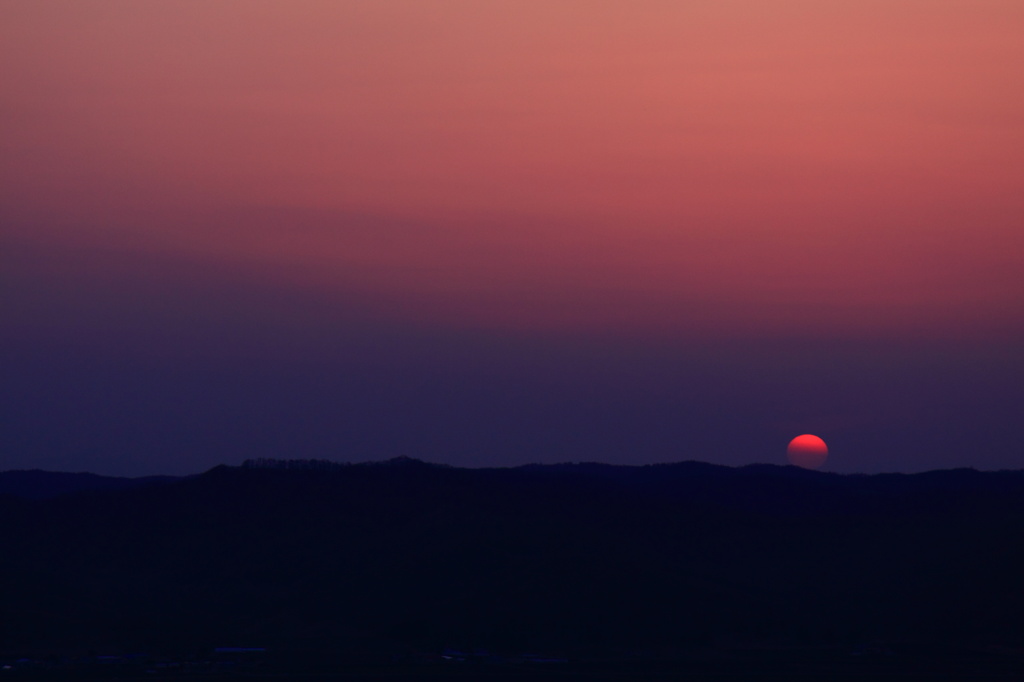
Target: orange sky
<point>711,167</point>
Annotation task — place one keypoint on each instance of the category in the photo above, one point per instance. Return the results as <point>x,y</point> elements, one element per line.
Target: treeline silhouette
<point>294,464</point>
<point>326,464</point>
<point>588,560</point>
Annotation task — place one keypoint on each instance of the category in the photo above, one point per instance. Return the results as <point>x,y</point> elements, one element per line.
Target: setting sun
<point>807,451</point>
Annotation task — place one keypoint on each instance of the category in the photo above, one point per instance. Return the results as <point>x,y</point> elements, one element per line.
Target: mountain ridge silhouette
<point>584,558</point>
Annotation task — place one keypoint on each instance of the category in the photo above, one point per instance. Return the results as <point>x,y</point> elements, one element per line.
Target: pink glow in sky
<point>710,167</point>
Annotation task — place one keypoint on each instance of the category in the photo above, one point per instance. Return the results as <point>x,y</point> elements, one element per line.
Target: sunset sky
<point>493,233</point>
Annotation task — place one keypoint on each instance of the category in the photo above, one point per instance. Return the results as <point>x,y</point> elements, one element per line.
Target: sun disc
<point>807,451</point>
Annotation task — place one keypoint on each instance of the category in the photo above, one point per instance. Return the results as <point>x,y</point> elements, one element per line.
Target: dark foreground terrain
<point>405,570</point>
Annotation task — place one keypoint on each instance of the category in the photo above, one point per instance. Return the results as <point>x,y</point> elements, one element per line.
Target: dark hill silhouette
<point>36,484</point>
<point>592,560</point>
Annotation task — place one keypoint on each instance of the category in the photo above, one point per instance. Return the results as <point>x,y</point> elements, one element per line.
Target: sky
<point>495,233</point>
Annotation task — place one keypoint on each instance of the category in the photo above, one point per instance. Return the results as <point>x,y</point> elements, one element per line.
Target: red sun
<point>807,451</point>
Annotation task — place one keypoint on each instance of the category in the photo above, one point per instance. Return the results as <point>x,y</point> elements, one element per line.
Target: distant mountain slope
<point>35,484</point>
<point>583,558</point>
